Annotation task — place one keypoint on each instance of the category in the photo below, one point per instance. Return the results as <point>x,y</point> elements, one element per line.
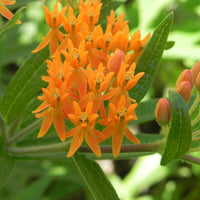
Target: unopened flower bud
<point>195,70</point>
<point>197,82</point>
<point>185,75</point>
<point>115,61</point>
<point>184,88</point>
<point>163,112</point>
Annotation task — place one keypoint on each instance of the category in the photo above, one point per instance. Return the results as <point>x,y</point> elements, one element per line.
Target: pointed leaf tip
<point>150,58</point>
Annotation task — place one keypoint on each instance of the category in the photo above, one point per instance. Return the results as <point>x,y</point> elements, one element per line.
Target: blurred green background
<point>137,179</point>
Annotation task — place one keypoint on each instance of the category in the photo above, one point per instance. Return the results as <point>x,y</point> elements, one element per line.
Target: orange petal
<point>74,119</point>
<point>60,125</point>
<point>89,108</point>
<point>77,108</point>
<point>41,107</point>
<point>42,114</point>
<point>84,101</point>
<point>110,94</point>
<point>121,74</point>
<point>92,142</point>
<point>46,124</point>
<point>70,80</point>
<point>8,2</point>
<point>71,132</point>
<point>104,85</point>
<point>81,85</point>
<point>131,137</point>
<point>102,110</point>
<point>108,131</point>
<point>44,42</point>
<point>132,107</point>
<point>112,111</point>
<point>98,133</point>
<point>68,107</point>
<point>53,43</point>
<point>117,140</point>
<point>48,16</point>
<point>76,143</point>
<point>7,13</point>
<point>121,103</point>
<point>92,119</point>
<point>133,81</point>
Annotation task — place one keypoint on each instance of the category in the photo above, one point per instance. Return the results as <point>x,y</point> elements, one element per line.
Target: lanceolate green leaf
<point>149,60</point>
<point>180,133</point>
<point>12,22</point>
<point>24,86</point>
<point>145,111</point>
<point>95,179</point>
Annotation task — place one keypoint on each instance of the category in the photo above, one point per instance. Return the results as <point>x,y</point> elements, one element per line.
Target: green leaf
<point>145,111</point>
<point>24,86</point>
<point>149,60</point>
<point>169,45</point>
<point>95,179</point>
<point>13,21</point>
<point>106,8</point>
<point>36,189</point>
<point>180,133</point>
<point>6,167</point>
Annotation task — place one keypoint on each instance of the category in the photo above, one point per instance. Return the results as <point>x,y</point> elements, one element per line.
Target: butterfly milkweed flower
<point>89,76</point>
<point>54,21</point>
<point>84,122</point>
<point>5,12</point>
<point>116,124</point>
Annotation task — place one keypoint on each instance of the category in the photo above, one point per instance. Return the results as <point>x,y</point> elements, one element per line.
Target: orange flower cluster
<point>88,69</point>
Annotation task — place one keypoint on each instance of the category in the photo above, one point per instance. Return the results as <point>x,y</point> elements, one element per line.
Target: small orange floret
<point>84,122</point>
<point>54,36</point>
<point>52,110</point>
<point>118,117</point>
<point>90,12</point>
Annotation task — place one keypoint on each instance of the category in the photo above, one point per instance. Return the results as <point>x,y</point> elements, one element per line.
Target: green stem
<point>40,149</point>
<point>192,159</point>
<point>149,147</point>
<point>24,132</point>
<point>166,130</point>
<point>40,156</point>
<point>3,128</point>
<point>194,105</point>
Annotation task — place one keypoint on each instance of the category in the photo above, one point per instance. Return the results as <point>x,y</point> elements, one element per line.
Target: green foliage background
<point>135,179</point>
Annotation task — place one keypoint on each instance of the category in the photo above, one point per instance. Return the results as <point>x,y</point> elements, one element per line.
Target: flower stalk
<point>24,132</point>
<point>62,147</point>
<point>191,159</point>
